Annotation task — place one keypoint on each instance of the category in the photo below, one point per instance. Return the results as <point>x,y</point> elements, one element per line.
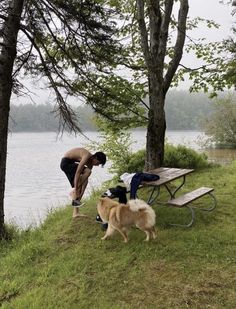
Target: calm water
<point>35,184</point>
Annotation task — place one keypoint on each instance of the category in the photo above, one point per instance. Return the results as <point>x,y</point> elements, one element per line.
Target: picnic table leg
<point>192,212</point>
<point>151,199</point>
<point>172,193</point>
<point>214,203</point>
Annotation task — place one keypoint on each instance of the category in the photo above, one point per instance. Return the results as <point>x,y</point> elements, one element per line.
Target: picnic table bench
<point>186,199</point>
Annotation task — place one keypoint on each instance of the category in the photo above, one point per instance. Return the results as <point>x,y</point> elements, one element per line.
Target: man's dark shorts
<point>69,167</point>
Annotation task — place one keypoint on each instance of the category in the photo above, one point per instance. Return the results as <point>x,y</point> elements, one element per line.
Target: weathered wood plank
<point>190,196</point>
<point>167,175</point>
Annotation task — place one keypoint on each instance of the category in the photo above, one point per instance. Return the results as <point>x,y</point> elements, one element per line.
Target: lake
<point>35,184</point>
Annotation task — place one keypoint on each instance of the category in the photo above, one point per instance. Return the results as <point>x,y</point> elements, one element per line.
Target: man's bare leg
<point>76,213</point>
<point>83,181</point>
<point>82,189</point>
<point>80,192</point>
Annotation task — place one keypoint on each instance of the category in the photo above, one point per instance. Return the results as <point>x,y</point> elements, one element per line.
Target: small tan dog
<point>121,217</point>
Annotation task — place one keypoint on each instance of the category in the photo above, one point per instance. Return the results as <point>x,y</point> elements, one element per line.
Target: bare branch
<point>178,49</point>
<point>24,60</point>
<point>164,32</point>
<point>143,31</point>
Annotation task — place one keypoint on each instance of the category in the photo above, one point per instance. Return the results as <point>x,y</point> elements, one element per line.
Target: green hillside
<point>65,264</point>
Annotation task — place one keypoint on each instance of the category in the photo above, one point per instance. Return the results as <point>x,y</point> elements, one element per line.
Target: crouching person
<point>77,164</point>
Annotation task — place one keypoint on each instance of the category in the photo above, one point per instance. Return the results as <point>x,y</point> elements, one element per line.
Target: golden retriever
<point>121,217</point>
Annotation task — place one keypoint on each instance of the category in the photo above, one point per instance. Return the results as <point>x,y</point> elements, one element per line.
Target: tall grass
<point>65,264</point>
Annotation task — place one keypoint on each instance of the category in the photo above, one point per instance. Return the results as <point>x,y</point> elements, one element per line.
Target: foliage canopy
<point>221,124</point>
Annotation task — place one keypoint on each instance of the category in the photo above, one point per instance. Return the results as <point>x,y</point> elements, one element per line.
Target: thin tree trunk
<point>7,57</point>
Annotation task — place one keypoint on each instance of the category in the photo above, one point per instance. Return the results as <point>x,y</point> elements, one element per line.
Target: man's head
<point>99,158</point>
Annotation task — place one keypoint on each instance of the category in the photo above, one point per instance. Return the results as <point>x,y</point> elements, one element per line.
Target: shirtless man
<point>77,164</point>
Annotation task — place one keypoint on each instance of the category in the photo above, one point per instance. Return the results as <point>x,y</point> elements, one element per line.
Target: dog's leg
<point>110,230</point>
<point>154,232</point>
<point>148,235</point>
<point>123,233</point>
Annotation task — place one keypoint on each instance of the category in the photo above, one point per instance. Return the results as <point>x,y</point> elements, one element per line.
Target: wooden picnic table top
<point>167,174</point>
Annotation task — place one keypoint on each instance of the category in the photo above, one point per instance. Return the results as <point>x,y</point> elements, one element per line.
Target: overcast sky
<point>209,9</point>
<point>212,9</point>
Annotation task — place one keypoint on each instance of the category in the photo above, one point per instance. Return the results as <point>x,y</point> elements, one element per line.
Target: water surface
<point>35,184</point>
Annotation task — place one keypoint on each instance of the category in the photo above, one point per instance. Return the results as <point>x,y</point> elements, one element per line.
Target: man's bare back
<point>78,154</point>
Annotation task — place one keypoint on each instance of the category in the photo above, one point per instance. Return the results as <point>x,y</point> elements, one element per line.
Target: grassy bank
<point>64,264</point>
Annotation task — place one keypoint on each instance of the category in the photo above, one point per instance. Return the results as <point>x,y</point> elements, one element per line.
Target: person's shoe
<point>77,203</point>
<point>104,226</point>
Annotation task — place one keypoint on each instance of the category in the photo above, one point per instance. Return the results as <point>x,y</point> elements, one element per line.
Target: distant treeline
<point>187,111</point>
<point>184,111</point>
<point>41,118</point>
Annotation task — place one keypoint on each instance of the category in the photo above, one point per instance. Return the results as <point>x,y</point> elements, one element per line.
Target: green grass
<point>64,263</point>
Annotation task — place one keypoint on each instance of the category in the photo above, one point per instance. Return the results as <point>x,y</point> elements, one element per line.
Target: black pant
<point>69,167</point>
<point>137,179</point>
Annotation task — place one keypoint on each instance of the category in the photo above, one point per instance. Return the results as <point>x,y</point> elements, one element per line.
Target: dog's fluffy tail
<point>151,216</point>
<point>136,205</point>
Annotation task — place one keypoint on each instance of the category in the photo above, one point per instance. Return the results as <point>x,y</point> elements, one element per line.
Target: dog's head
<point>117,192</point>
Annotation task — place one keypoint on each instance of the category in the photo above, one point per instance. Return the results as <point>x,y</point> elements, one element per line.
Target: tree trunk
<point>156,124</point>
<point>7,57</point>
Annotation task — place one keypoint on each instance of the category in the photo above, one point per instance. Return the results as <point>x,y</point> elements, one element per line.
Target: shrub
<point>134,163</point>
<point>117,143</point>
<point>183,157</point>
<point>175,156</point>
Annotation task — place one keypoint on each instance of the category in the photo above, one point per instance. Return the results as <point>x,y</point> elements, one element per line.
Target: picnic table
<point>167,176</point>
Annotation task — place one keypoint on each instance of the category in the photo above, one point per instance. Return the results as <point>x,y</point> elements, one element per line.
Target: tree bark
<point>156,128</point>
<point>7,57</point>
